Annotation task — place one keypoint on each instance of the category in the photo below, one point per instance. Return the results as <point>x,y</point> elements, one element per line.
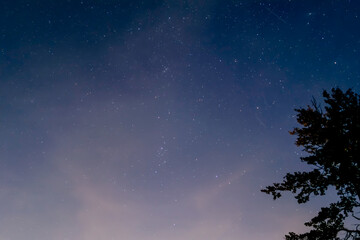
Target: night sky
<point>161,120</point>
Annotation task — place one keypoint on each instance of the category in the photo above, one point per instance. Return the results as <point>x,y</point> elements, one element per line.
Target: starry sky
<point>161,119</point>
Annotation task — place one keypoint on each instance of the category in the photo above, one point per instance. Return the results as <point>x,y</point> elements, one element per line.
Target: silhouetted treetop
<point>331,138</point>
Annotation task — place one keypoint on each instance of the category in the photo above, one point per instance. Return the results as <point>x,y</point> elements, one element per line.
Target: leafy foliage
<point>331,140</point>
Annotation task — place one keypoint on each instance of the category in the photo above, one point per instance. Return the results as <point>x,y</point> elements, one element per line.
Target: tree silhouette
<point>331,140</point>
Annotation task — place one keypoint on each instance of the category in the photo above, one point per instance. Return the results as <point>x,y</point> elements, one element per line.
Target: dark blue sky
<point>161,119</point>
